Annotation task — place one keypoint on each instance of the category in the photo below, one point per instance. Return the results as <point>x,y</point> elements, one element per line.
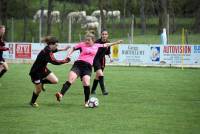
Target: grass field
<point>141,101</point>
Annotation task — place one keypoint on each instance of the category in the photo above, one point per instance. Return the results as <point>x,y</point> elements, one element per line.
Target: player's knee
<point>86,81</point>
<point>6,66</point>
<point>38,90</point>
<point>98,75</point>
<point>72,79</point>
<point>55,81</point>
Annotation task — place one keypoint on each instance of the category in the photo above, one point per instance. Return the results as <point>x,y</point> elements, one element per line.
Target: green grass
<point>141,101</point>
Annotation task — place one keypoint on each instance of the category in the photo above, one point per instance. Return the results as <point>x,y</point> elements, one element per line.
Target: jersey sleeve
<point>99,45</point>
<point>54,51</point>
<point>53,60</point>
<point>78,46</point>
<point>2,48</point>
<point>108,51</point>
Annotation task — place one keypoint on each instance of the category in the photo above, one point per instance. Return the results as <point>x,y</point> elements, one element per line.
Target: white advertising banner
<point>130,54</point>
<point>31,50</point>
<point>156,54</point>
<point>123,54</point>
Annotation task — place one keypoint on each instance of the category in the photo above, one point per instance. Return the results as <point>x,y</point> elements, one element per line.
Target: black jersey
<point>44,57</point>
<point>2,48</point>
<point>99,59</point>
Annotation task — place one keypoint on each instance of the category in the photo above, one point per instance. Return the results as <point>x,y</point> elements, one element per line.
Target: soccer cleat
<point>34,104</point>
<point>105,92</point>
<point>93,92</point>
<point>58,96</point>
<point>86,105</point>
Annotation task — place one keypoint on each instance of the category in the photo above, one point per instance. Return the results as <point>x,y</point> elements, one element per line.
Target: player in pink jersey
<point>83,65</point>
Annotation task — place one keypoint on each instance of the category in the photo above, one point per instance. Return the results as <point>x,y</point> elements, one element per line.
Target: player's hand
<point>111,60</point>
<point>67,59</point>
<point>119,41</point>
<point>67,47</point>
<point>7,49</point>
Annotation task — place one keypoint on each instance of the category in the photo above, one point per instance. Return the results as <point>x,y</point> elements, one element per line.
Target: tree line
<point>25,9</point>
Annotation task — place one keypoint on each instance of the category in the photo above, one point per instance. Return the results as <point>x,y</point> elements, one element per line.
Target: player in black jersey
<point>3,64</point>
<point>39,72</point>
<point>99,63</point>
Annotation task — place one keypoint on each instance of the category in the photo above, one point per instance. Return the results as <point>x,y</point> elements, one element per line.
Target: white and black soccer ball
<point>93,102</point>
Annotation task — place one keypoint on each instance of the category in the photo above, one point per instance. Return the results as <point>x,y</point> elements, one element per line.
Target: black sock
<point>94,86</point>
<point>34,97</point>
<point>45,81</point>
<point>2,72</point>
<point>86,92</point>
<point>101,82</point>
<point>65,87</point>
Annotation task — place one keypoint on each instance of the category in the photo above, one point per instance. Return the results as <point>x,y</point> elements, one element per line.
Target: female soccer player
<point>3,64</point>
<point>83,66</point>
<point>99,63</point>
<point>39,72</point>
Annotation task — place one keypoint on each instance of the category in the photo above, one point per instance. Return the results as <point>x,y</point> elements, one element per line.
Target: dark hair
<point>50,40</point>
<point>104,30</point>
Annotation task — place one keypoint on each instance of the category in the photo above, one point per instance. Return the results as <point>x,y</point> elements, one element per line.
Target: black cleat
<point>105,92</point>
<point>93,92</point>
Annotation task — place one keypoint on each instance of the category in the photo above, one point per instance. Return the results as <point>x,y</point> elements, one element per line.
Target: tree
<point>142,16</point>
<point>4,13</point>
<point>49,18</point>
<point>197,20</point>
<point>162,15</point>
<point>25,19</point>
<point>103,25</point>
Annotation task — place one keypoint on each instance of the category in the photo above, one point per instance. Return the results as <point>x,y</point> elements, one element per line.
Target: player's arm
<point>111,60</point>
<point>2,48</point>
<point>63,49</point>
<point>71,51</point>
<point>112,43</point>
<point>54,61</point>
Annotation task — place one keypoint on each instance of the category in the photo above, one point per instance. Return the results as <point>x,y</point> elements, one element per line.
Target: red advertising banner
<point>23,51</point>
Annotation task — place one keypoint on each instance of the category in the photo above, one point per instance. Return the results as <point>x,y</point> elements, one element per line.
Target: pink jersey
<point>87,53</point>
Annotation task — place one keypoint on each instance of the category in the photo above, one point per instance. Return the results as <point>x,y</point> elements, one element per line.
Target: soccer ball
<point>93,102</point>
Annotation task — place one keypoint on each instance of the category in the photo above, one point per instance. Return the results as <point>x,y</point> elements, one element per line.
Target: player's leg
<point>100,75</point>
<point>4,68</point>
<point>95,83</point>
<point>86,86</point>
<point>38,89</point>
<point>71,79</point>
<point>49,79</point>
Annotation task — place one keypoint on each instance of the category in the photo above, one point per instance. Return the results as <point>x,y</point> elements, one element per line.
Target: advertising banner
<point>130,54</point>
<point>123,54</point>
<point>23,51</point>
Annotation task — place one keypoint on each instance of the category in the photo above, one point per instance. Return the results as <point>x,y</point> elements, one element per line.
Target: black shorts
<point>2,60</point>
<point>37,77</point>
<point>98,66</point>
<point>82,68</point>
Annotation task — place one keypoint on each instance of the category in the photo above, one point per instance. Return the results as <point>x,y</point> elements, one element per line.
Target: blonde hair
<point>90,35</point>
<point>49,40</point>
<point>1,33</point>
